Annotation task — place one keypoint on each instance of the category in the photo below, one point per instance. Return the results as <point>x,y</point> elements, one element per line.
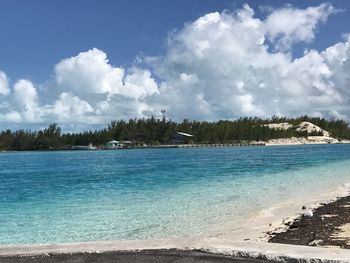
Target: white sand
<point>255,226</point>
<point>309,127</point>
<point>303,140</point>
<point>343,233</point>
<point>280,126</point>
<point>303,126</point>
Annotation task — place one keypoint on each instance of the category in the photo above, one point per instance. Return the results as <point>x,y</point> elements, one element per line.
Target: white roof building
<point>184,134</point>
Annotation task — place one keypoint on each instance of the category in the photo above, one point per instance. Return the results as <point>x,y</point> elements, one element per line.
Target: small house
<point>114,145</point>
<point>181,138</point>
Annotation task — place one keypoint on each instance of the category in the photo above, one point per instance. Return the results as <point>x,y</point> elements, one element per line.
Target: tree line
<point>154,131</point>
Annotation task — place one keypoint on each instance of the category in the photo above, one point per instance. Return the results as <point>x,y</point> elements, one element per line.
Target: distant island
<point>157,132</point>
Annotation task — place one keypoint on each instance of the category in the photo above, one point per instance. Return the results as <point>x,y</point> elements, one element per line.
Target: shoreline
<point>246,238</point>
<point>327,225</point>
<point>280,142</point>
<point>256,226</point>
<point>219,250</point>
<point>293,141</point>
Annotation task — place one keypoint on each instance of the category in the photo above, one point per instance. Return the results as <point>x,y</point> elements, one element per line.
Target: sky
<point>82,64</point>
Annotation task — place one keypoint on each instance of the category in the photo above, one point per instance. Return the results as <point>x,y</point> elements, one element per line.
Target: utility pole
<point>163,114</point>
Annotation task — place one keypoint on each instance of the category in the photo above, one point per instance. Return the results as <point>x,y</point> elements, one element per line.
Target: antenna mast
<point>163,113</point>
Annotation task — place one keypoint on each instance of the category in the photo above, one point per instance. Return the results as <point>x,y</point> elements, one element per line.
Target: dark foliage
<point>154,131</point>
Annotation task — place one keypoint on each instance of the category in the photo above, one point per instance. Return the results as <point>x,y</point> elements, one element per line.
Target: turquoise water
<point>137,194</point>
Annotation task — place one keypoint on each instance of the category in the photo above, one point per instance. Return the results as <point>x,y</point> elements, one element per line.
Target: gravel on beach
<point>328,226</point>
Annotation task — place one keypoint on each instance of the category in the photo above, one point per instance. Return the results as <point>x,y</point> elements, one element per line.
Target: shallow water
<point>154,193</point>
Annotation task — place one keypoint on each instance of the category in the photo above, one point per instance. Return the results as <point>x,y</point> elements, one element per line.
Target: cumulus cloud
<point>69,106</point>
<point>26,101</point>
<point>90,73</point>
<point>290,25</point>
<point>11,117</point>
<point>223,65</point>
<point>139,84</point>
<point>86,89</point>
<point>237,74</point>
<point>4,84</point>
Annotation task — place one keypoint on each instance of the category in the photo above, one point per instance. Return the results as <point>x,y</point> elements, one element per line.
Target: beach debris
<point>288,223</point>
<point>308,213</point>
<point>327,216</point>
<point>304,207</point>
<point>295,225</point>
<point>328,226</point>
<point>316,242</point>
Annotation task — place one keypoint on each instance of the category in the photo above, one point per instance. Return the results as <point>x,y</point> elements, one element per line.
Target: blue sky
<point>36,36</point>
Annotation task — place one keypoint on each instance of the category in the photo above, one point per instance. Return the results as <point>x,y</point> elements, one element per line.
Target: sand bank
<point>304,140</point>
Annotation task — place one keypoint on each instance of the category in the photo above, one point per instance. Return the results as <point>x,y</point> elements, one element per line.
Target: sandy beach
<point>257,226</point>
<point>328,226</point>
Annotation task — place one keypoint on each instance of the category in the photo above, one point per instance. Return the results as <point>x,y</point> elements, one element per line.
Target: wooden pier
<point>200,145</point>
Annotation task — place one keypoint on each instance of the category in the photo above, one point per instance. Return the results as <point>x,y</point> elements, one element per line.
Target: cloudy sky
<point>82,64</point>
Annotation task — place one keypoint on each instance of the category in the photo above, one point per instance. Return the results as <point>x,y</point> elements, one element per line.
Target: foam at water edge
<point>256,226</point>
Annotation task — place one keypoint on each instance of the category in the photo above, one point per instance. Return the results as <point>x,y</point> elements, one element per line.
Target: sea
<point>74,196</point>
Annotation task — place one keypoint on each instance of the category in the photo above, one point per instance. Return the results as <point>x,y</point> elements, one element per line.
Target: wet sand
<point>181,250</point>
<point>147,256</point>
<point>328,226</point>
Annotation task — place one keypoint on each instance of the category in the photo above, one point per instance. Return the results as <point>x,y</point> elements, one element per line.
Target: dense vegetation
<point>156,131</point>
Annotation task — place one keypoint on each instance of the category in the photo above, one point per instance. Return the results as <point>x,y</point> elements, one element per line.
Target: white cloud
<point>219,66</point>
<point>94,91</point>
<point>139,84</point>
<point>11,117</point>
<point>290,25</point>
<point>69,108</point>
<point>4,84</point>
<point>25,94</point>
<point>90,73</point>
<point>26,101</point>
<point>337,57</point>
<point>238,75</point>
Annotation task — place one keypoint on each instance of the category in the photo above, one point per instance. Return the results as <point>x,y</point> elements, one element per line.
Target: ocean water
<point>70,196</point>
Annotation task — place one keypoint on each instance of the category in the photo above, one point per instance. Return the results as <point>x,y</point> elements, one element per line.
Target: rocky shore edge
<point>326,226</point>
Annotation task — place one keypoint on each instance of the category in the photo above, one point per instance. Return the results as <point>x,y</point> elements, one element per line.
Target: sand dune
<point>310,128</point>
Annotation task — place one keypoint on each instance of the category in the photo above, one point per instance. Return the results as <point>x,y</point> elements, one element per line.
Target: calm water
<point>137,194</point>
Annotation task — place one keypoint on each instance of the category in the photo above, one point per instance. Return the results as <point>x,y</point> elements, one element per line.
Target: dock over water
<point>201,145</point>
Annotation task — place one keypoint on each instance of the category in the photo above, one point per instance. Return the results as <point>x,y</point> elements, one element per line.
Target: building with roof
<point>181,138</point>
<point>113,145</point>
